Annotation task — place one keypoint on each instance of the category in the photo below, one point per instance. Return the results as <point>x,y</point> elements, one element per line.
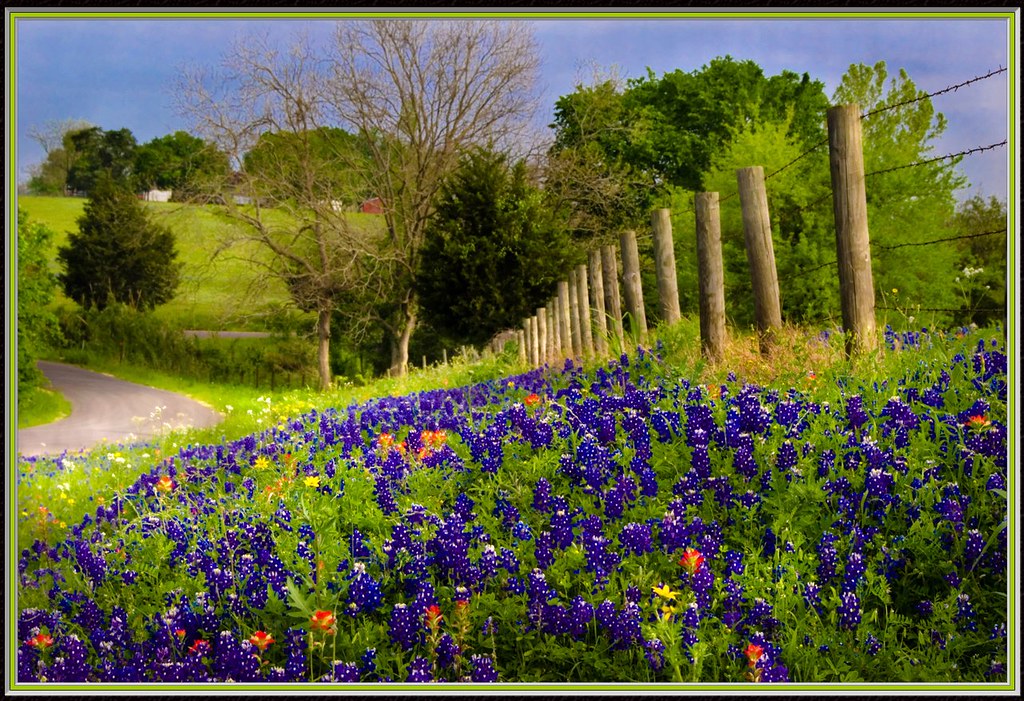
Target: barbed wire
<point>968,152</point>
<point>942,240</point>
<point>951,88</point>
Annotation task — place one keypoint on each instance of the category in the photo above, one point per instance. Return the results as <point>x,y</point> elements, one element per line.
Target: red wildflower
<point>531,399</point>
<point>41,641</point>
<point>978,423</point>
<point>753,653</point>
<point>261,639</point>
<point>180,632</point>
<point>199,647</point>
<point>323,620</point>
<point>433,616</point>
<point>692,560</point>
<point>165,484</point>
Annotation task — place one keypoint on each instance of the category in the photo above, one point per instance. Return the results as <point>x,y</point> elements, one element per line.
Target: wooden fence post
<point>565,325</point>
<point>553,341</point>
<point>665,266</point>
<point>710,277</point>
<point>597,297</point>
<point>612,298</point>
<point>853,245</point>
<point>521,340</point>
<point>583,297</point>
<point>534,343</point>
<point>542,336</point>
<point>757,232</point>
<point>574,315</point>
<point>632,286</point>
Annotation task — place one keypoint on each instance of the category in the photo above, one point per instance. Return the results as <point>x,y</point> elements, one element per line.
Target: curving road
<point>106,408</point>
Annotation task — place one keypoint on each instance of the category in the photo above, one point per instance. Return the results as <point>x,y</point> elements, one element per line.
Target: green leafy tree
<point>179,162</point>
<point>37,325</point>
<point>618,150</point>
<point>492,253</point>
<point>910,203</point>
<point>101,153</point>
<point>118,254</point>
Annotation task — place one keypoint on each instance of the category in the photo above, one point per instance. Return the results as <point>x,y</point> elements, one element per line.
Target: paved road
<point>104,407</point>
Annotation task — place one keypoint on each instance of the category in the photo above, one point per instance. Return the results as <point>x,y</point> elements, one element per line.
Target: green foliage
<point>683,119</point>
<point>37,325</point>
<point>101,154</point>
<point>178,162</point>
<point>492,253</point>
<point>119,254</point>
<point>626,146</point>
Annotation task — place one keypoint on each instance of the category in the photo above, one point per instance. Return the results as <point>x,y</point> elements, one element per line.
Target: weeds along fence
<point>593,304</point>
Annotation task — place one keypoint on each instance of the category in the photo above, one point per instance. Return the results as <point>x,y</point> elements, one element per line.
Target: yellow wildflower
<point>262,463</point>
<point>313,481</point>
<point>665,592</point>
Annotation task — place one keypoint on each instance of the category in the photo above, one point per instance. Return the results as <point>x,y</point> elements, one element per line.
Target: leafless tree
<point>421,92</point>
<point>284,211</point>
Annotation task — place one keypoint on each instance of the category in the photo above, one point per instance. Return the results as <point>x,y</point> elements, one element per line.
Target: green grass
<point>41,405</point>
<point>219,290</point>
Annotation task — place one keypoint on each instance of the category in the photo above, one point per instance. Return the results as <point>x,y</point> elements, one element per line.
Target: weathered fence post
<point>757,233</point>
<point>853,245</point>
<point>583,296</point>
<point>524,351</point>
<point>534,343</point>
<point>665,266</point>
<point>565,325</point>
<point>633,288</point>
<point>574,315</point>
<point>542,336</point>
<point>521,340</point>
<point>552,310</point>
<point>710,277</point>
<point>612,298</point>
<point>597,295</point>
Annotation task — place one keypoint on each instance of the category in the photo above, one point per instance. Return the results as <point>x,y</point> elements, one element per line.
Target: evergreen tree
<point>118,253</point>
<point>492,253</point>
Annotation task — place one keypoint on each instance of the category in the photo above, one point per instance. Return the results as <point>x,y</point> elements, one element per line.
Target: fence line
<point>570,310</point>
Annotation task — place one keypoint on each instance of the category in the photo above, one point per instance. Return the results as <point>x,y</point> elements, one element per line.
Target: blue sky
<point>116,72</point>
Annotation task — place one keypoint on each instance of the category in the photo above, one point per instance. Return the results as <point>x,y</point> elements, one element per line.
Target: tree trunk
<point>400,347</point>
<point>323,332</point>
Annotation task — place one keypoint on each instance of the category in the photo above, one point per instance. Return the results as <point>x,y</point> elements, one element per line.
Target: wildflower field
<point>565,525</point>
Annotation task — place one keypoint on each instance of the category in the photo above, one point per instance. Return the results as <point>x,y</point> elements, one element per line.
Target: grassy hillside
<point>219,290</point>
